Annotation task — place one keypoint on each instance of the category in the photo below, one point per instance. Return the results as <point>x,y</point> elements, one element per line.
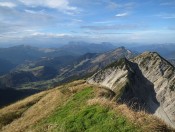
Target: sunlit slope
<point>76,106</point>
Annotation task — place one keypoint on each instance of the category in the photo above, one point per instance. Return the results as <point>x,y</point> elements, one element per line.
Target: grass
<point>95,118</point>
<point>76,107</point>
<point>15,111</point>
<point>24,114</point>
<point>77,116</point>
<point>9,117</point>
<point>141,120</point>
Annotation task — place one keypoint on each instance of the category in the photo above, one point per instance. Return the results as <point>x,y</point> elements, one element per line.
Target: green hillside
<point>75,107</point>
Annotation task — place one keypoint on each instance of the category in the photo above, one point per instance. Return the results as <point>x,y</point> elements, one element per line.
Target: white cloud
<point>7,4</point>
<point>122,14</point>
<point>172,3</point>
<point>167,16</point>
<point>77,20</point>
<point>103,22</point>
<point>113,27</point>
<point>62,5</point>
<point>113,5</point>
<point>162,36</point>
<point>126,6</point>
<point>35,12</point>
<point>30,11</point>
<point>50,35</point>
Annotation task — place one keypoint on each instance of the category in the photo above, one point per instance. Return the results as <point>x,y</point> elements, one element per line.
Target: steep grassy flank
<point>75,107</point>
<point>12,113</point>
<point>19,117</point>
<point>77,116</point>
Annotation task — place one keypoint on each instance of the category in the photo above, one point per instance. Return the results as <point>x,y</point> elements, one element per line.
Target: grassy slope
<point>75,107</point>
<point>77,116</point>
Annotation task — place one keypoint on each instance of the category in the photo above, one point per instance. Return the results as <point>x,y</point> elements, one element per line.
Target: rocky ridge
<point>147,81</point>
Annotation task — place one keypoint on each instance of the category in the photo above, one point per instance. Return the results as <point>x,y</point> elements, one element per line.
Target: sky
<point>61,21</point>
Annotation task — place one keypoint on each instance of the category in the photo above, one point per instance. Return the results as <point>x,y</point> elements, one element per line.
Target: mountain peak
<point>148,53</point>
<point>147,80</point>
<point>120,48</point>
<point>150,60</point>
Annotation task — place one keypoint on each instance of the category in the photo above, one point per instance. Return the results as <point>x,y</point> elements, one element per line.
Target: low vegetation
<point>76,107</point>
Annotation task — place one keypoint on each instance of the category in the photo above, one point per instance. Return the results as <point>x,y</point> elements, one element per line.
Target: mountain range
<point>137,89</point>
<point>35,74</point>
<point>18,55</point>
<point>60,69</point>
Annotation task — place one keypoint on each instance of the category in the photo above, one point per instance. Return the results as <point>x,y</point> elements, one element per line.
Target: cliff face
<point>146,81</point>
<point>162,74</point>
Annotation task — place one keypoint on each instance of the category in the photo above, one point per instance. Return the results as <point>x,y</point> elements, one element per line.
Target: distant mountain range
<point>59,69</point>
<point>140,81</point>
<point>122,95</point>
<point>45,67</point>
<point>165,50</point>
<point>47,72</point>
<point>18,55</point>
<point>89,63</point>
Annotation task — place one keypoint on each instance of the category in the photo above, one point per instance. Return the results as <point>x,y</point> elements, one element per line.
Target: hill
<point>90,63</point>
<point>76,106</point>
<point>146,82</point>
<point>6,66</point>
<point>80,48</point>
<point>48,72</point>
<point>18,55</point>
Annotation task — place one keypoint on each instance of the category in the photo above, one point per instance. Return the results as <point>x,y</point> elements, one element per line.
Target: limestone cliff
<point>146,81</point>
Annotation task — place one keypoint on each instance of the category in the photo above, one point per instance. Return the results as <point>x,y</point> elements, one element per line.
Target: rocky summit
<point>144,82</point>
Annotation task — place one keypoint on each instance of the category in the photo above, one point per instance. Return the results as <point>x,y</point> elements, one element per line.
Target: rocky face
<point>162,74</point>
<point>147,81</point>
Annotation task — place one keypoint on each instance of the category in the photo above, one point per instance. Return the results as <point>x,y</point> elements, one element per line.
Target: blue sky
<point>61,21</point>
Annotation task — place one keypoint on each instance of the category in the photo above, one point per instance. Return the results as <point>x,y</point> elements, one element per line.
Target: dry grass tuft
<point>15,111</point>
<point>36,112</point>
<point>74,87</point>
<point>141,118</point>
<point>76,83</point>
<point>21,116</point>
<point>23,103</point>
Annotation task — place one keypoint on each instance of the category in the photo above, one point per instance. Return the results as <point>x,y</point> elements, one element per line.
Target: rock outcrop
<point>147,81</point>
